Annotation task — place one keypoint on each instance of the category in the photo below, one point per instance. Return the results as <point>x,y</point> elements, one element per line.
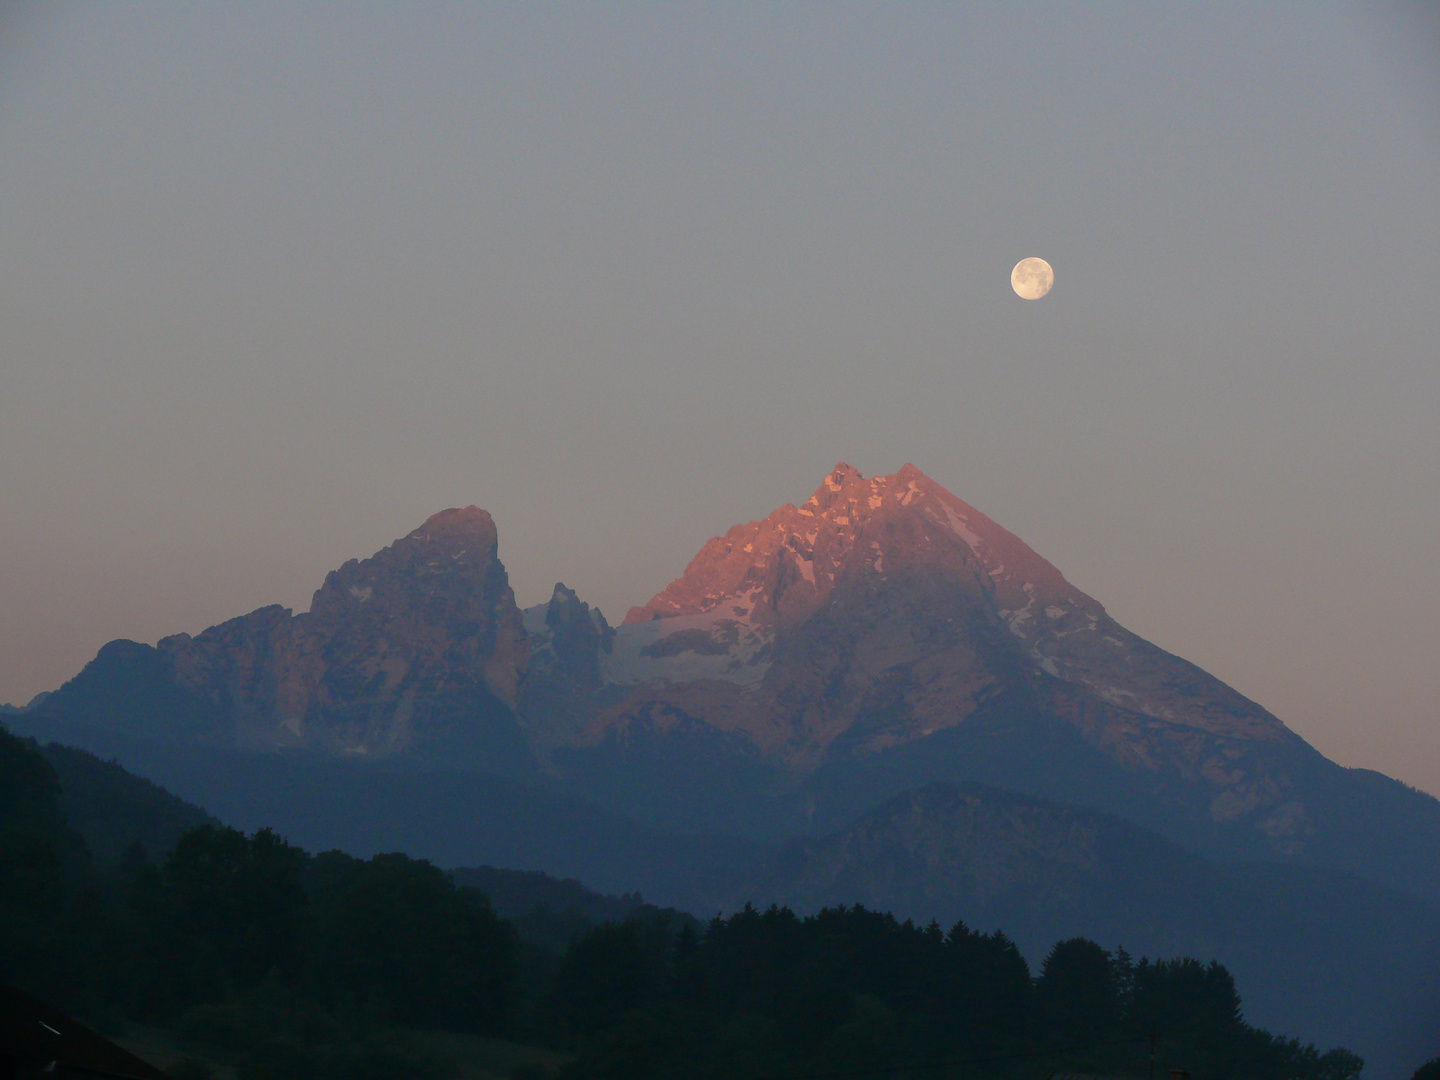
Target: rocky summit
<point>907,560</point>
<point>417,649</point>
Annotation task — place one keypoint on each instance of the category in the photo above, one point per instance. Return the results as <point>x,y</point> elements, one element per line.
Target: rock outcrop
<point>418,649</point>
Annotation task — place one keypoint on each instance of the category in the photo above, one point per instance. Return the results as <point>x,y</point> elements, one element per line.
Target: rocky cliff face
<point>890,534</point>
<point>569,643</point>
<point>418,648</point>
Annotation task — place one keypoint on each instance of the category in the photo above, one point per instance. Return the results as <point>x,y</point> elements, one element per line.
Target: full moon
<point>1031,278</point>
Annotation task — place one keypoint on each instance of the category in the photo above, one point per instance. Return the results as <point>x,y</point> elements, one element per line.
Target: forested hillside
<point>288,964</point>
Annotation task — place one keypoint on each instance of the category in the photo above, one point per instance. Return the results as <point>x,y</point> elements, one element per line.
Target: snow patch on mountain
<point>807,567</point>
<point>684,648</point>
<point>961,527</point>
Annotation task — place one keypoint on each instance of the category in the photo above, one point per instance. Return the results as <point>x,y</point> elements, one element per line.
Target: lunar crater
<point>1032,278</point>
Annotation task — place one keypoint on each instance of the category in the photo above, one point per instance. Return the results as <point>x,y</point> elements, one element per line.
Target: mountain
<point>452,817</point>
<point>880,636</point>
<point>416,651</point>
<point>552,913</point>
<point>884,634</point>
<point>882,612</point>
<point>112,808</point>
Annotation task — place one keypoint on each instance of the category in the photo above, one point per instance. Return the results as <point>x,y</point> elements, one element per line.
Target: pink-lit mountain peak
<point>458,542</point>
<point>467,526</point>
<point>786,565</point>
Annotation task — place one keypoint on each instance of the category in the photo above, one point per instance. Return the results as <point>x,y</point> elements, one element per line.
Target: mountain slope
<point>90,811</point>
<point>112,808</point>
<point>884,634</point>
<point>863,535</point>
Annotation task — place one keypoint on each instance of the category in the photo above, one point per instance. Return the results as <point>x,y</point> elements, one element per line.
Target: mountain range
<point>878,695</point>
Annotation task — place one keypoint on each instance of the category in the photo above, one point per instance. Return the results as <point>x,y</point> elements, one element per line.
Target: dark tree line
<point>302,966</point>
<point>853,992</point>
<point>297,965</point>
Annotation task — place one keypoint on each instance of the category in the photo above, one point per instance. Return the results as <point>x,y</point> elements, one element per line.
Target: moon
<point>1032,278</point>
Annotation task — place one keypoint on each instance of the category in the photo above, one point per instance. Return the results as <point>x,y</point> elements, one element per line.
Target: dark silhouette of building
<point>37,1041</point>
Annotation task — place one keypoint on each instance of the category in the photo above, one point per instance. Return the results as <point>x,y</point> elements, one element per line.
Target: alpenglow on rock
<point>417,649</point>
<point>781,571</point>
<point>883,612</point>
<point>884,634</point>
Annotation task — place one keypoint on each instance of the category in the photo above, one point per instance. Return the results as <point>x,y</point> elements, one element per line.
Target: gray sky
<point>278,282</point>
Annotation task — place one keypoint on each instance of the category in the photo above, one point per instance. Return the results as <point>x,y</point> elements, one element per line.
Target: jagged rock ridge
<point>419,648</point>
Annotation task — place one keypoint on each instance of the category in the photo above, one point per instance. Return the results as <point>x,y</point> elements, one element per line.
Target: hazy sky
<point>278,282</point>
